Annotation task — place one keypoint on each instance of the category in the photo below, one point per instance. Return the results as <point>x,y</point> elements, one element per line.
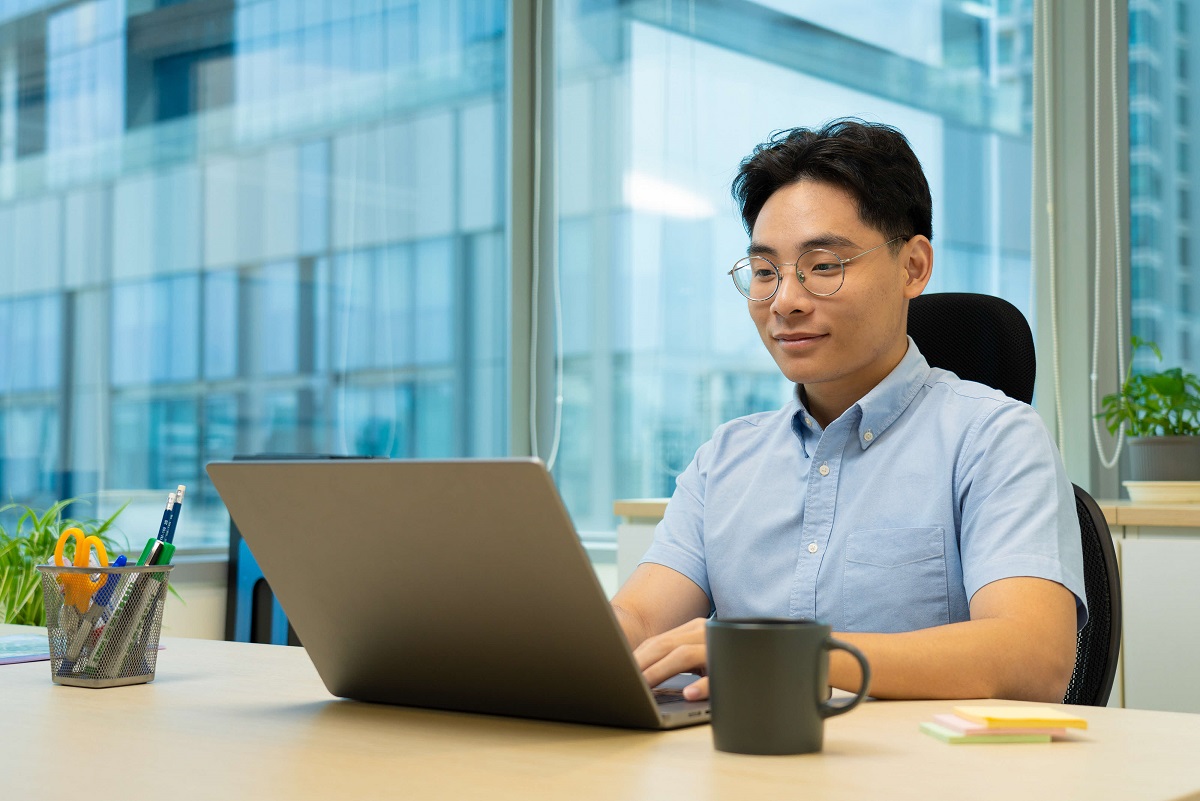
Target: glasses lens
<point>822,271</point>
<point>755,278</point>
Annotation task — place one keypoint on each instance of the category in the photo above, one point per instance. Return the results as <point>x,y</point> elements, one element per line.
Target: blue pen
<point>154,546</point>
<point>164,528</point>
<point>175,512</point>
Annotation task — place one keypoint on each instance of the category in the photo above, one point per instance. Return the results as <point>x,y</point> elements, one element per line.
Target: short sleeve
<point>1017,505</point>
<point>679,538</point>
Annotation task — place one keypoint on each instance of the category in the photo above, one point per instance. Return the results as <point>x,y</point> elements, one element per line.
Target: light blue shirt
<point>888,520</point>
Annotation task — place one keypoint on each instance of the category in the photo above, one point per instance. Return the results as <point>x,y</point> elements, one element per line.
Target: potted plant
<point>31,542</point>
<point>1161,415</point>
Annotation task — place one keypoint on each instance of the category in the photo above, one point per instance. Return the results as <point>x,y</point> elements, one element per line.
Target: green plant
<point>1162,404</point>
<point>30,543</point>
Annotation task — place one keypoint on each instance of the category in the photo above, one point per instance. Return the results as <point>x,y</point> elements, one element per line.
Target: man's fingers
<point>657,648</point>
<point>697,690</point>
<point>685,658</point>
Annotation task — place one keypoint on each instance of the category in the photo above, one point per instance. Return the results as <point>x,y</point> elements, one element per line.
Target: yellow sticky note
<point>1021,717</point>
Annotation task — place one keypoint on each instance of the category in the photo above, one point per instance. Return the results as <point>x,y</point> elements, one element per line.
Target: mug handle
<point>829,709</point>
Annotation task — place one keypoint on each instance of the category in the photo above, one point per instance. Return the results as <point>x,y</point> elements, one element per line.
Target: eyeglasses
<point>820,271</point>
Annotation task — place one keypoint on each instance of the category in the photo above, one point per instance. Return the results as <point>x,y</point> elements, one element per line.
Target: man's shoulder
<point>944,387</point>
<point>750,431</point>
<point>978,410</point>
<point>757,421</point>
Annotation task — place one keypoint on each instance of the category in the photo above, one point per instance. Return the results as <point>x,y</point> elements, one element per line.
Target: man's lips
<point>796,337</point>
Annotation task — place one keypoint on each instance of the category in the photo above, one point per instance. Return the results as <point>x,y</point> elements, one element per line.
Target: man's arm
<point>656,599</point>
<point>1019,644</point>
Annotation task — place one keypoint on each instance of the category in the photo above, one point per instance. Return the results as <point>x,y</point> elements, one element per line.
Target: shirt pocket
<point>895,580</point>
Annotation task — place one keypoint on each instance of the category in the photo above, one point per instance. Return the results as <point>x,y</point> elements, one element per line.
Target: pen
<point>175,513</point>
<point>159,550</point>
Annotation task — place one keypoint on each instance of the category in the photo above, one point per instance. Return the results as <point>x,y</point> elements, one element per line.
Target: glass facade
<point>242,227</point>
<point>1164,46</point>
<point>657,103</point>
<point>278,226</point>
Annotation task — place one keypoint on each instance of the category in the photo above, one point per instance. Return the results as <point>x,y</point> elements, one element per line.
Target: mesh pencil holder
<point>103,622</point>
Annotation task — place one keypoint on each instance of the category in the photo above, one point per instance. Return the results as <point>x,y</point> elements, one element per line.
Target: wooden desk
<point>234,721</point>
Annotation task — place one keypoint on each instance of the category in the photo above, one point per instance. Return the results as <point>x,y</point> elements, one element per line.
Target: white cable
<point>1093,401</point>
<point>1043,53</point>
<point>537,265</point>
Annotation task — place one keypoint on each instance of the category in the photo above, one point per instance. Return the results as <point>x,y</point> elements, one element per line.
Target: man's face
<point>844,344</point>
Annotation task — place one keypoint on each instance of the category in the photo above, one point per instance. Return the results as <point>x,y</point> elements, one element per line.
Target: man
<point>929,520</point>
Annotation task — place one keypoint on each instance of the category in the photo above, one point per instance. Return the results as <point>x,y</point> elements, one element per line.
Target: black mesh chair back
<point>1099,643</point>
<point>977,337</point>
<point>986,339</point>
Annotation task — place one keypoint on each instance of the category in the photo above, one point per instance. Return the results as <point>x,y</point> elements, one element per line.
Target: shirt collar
<point>879,408</point>
<point>887,401</point>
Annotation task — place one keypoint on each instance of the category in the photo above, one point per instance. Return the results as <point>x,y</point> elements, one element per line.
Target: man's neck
<point>826,401</point>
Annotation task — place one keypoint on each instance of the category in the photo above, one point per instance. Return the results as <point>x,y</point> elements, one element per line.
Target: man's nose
<point>791,296</point>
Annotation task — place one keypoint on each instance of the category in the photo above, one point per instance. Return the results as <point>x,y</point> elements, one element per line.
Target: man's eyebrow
<point>827,240</point>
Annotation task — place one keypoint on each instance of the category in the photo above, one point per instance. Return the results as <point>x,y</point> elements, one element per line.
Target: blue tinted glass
<point>221,332</point>
<point>656,109</point>
<point>246,209</point>
<point>1162,123</point>
<point>155,331</point>
<point>278,318</point>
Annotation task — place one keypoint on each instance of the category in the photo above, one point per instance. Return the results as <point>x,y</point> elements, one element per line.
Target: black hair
<point>872,162</point>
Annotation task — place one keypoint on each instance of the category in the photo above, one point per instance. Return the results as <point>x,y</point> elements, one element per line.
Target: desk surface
<point>232,720</point>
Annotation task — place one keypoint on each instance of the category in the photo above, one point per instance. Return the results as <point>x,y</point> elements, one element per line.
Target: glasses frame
<point>745,262</point>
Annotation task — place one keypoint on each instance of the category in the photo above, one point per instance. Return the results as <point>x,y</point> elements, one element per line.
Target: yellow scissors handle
<point>78,589</point>
<point>83,545</point>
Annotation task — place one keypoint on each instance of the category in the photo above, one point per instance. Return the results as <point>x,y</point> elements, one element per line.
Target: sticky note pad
<point>961,726</point>
<point>1012,717</point>
<point>954,738</point>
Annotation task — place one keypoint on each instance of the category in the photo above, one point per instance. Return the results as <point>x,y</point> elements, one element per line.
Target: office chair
<point>987,339</point>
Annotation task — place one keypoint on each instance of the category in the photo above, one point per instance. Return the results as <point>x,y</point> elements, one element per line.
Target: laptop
<point>446,584</point>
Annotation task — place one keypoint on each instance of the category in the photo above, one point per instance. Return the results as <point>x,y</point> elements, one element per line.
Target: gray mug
<point>768,681</point>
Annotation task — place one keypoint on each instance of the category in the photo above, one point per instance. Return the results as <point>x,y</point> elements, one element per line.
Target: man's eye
<point>764,274</point>
<point>822,269</point>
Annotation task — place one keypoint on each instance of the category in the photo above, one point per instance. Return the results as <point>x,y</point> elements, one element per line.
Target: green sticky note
<point>955,738</point>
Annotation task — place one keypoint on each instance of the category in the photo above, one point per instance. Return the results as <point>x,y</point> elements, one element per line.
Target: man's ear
<point>918,264</point>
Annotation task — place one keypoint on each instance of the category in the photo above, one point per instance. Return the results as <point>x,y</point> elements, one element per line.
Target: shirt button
<point>868,436</point>
<point>823,469</point>
<point>812,547</point>
<point>808,422</point>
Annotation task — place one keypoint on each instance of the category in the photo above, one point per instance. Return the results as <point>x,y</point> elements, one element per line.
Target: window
<point>1143,80</point>
<point>1143,130</point>
<point>1144,231</point>
<point>653,118</point>
<point>303,209</point>
<point>1143,29</point>
<point>1145,181</point>
<point>1162,270</point>
<point>281,229</point>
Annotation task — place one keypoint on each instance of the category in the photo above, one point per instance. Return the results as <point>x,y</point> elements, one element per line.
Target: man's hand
<point>659,599</point>
<point>680,650</point>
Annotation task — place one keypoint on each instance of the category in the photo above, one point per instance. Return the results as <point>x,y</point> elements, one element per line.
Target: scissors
<point>78,588</point>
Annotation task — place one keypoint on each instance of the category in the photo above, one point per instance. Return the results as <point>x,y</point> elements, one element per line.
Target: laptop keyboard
<point>667,695</point>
